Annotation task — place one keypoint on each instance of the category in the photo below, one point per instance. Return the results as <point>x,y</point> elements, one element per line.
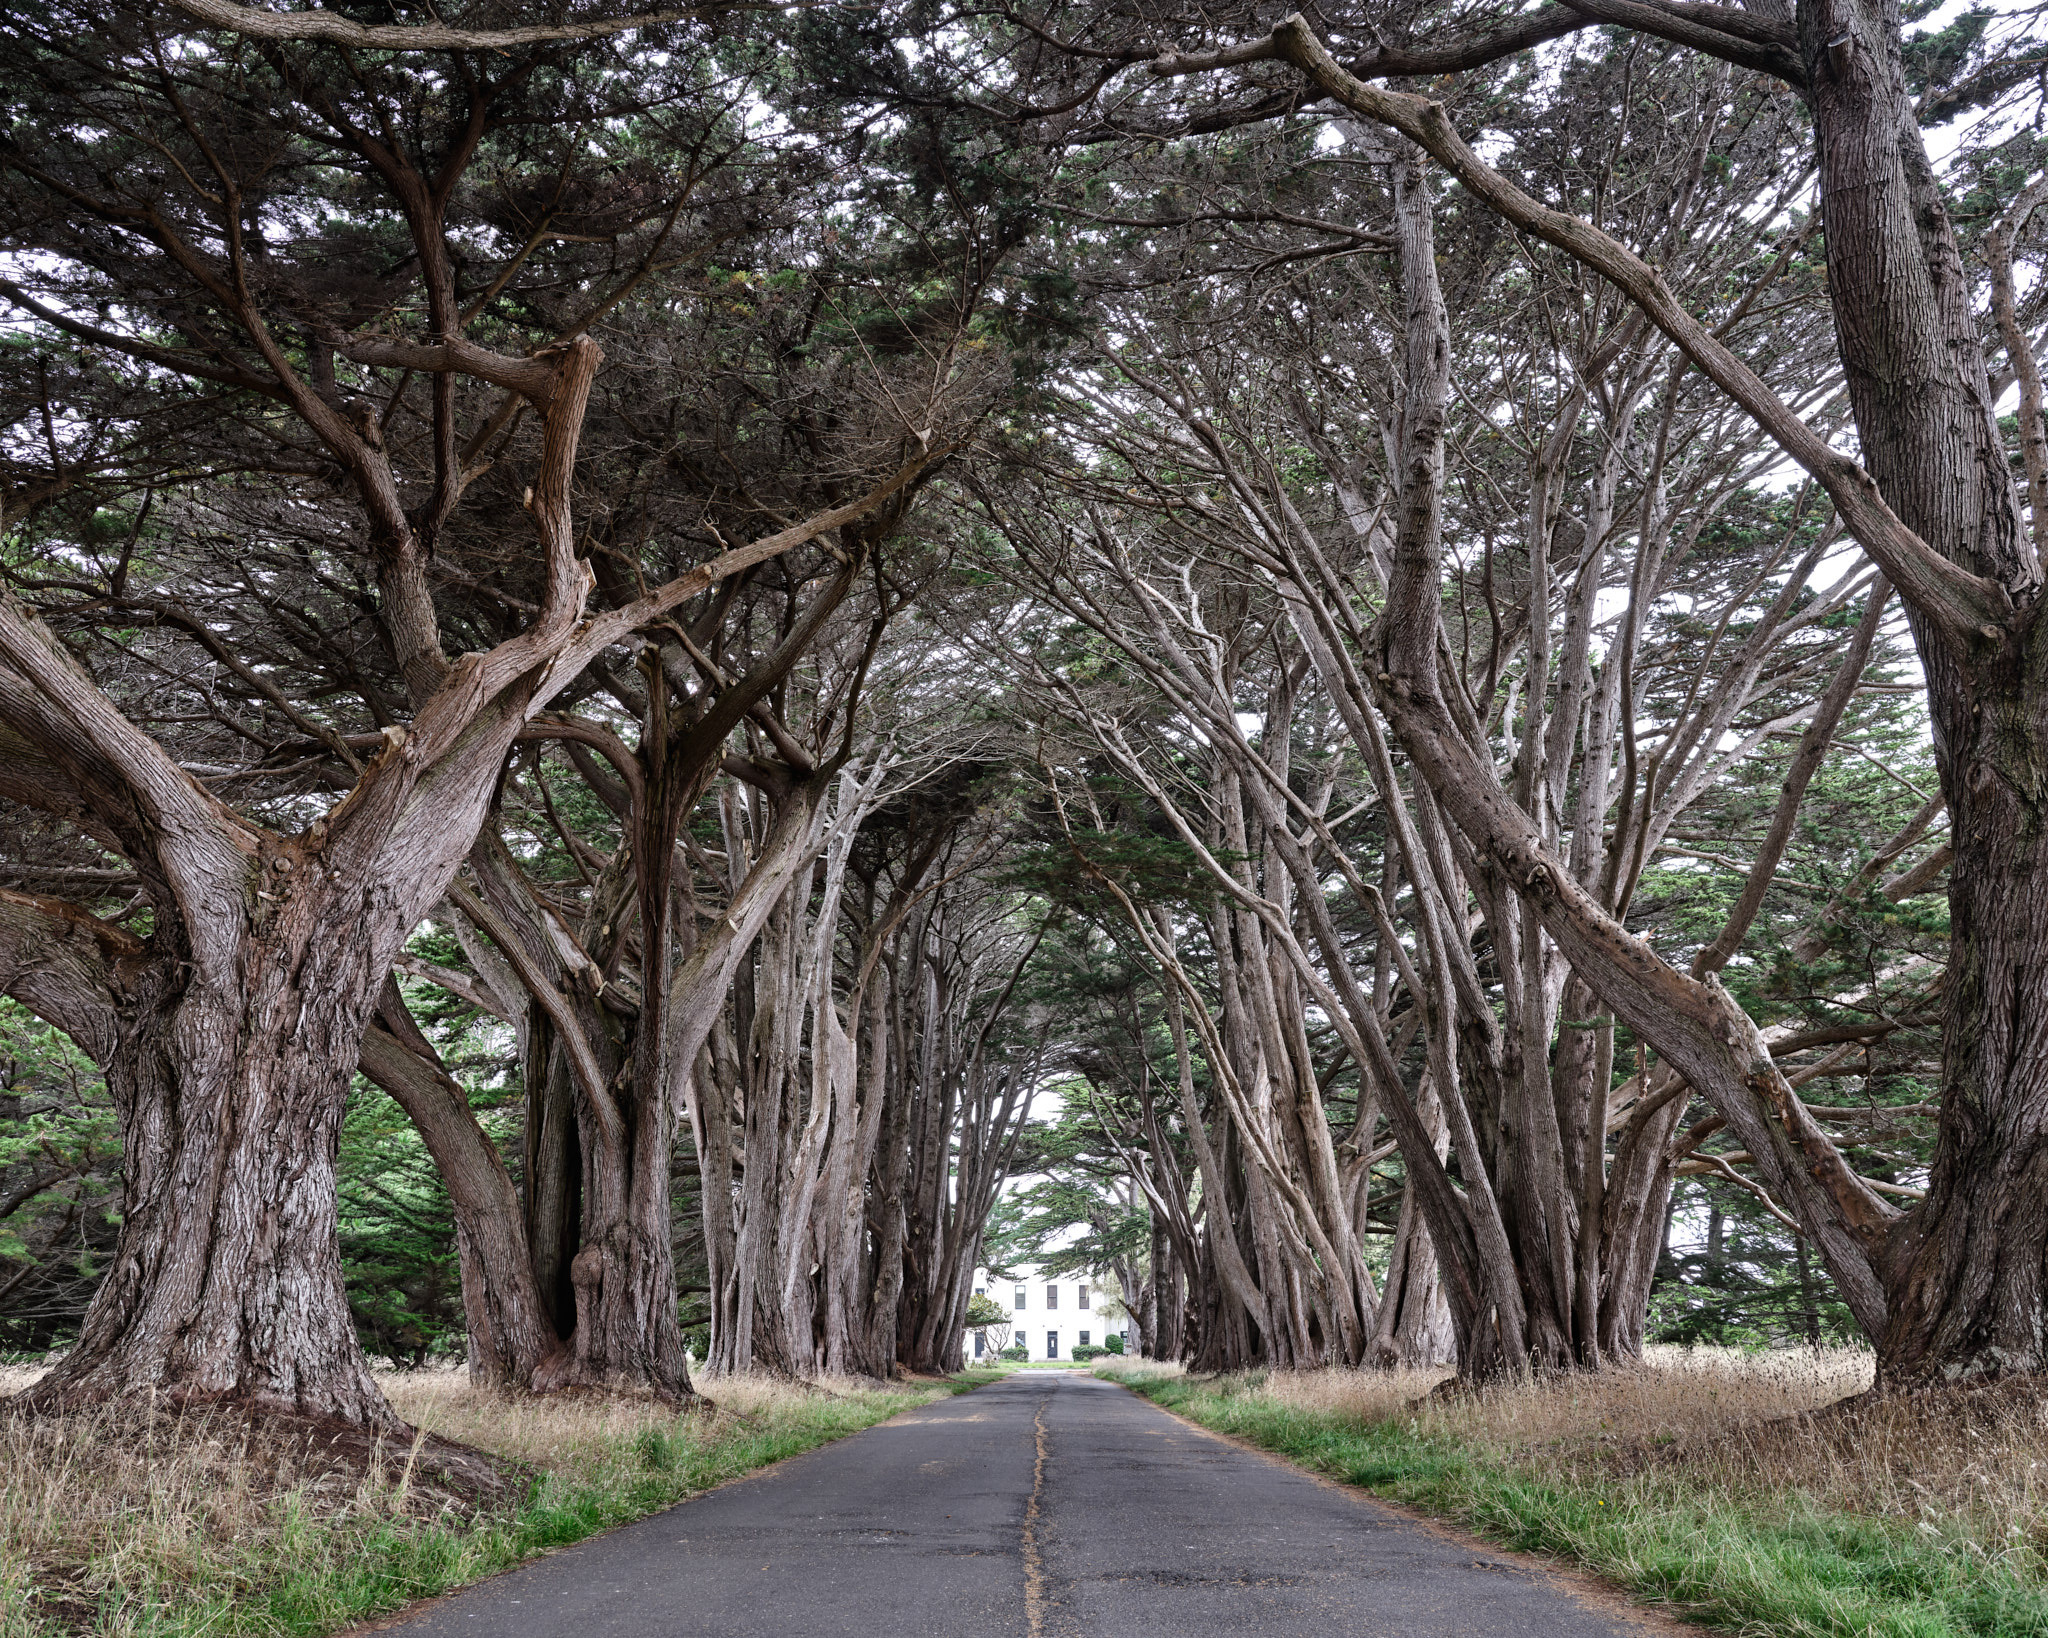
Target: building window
<point>980,1342</point>
<point>1020,1296</point>
<point>1052,1345</point>
<point>1080,1344</point>
<point>1052,1297</point>
<point>981,1290</point>
<point>1084,1298</point>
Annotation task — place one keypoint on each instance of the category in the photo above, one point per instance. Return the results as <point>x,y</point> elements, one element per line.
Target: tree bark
<point>1967,1269</point>
<point>225,1282</point>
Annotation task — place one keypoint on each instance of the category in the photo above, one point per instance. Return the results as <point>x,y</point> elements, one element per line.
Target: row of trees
<point>1535,801</point>
<point>359,588</point>
<point>800,577</point>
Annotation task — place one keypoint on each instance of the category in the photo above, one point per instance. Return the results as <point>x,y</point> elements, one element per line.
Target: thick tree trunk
<point>1967,1275</point>
<point>627,1331</point>
<point>225,1282</point>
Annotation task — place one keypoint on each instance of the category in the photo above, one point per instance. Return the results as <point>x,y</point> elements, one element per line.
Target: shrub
<point>1016,1350</point>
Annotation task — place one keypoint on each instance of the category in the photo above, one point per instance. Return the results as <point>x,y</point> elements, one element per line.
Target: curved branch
<point>121,773</point>
<point>1738,42</point>
<point>327,28</point>
<point>534,379</point>
<point>1967,606</point>
<point>63,965</point>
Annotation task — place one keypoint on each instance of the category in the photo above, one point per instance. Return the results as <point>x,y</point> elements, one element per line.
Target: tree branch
<point>603,630</point>
<point>327,28</point>
<point>1966,606</point>
<point>160,810</point>
<point>63,965</point>
<point>1733,36</point>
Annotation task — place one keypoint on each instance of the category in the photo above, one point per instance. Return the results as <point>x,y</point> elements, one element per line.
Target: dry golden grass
<point>1676,1392</point>
<point>138,1522</point>
<point>1739,1487</point>
<point>1967,1467</point>
<point>572,1432</point>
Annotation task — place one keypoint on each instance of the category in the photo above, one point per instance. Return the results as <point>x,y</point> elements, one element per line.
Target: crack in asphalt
<point>1034,1567</point>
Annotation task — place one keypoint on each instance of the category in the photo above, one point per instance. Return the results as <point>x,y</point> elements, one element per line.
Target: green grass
<point>980,1376</point>
<point>1757,1561</point>
<point>162,1564</point>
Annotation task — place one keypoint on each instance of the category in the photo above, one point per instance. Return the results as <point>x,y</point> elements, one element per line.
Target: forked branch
<point>1967,607</point>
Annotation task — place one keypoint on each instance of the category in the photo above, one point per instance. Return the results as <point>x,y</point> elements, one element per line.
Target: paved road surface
<point>1043,1506</point>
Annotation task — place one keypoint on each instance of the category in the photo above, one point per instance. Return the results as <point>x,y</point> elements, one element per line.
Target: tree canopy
<point>666,680</point>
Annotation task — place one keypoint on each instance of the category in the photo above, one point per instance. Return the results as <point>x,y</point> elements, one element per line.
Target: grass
<point>1696,1481</point>
<point>133,1523</point>
<point>980,1376</point>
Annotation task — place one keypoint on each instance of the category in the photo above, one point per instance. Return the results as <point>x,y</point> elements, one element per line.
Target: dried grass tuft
<point>1674,1393</point>
<point>131,1495</point>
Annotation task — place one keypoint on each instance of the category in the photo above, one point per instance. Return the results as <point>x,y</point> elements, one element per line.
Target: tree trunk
<point>510,1334</point>
<point>551,1204</point>
<point>627,1330</point>
<point>225,1282</point>
<point>1966,1272</point>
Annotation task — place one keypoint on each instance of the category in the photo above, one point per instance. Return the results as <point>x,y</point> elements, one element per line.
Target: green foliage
<point>397,1228</point>
<point>1150,869</point>
<point>60,1156</point>
<point>1747,1283</point>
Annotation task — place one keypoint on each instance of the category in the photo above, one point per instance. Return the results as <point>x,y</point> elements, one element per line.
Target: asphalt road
<point>1043,1506</point>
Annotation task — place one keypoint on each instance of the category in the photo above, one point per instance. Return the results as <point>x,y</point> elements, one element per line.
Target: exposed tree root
<point>276,1450</point>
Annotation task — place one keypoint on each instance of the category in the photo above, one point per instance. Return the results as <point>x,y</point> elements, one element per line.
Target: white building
<point>1051,1314</point>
